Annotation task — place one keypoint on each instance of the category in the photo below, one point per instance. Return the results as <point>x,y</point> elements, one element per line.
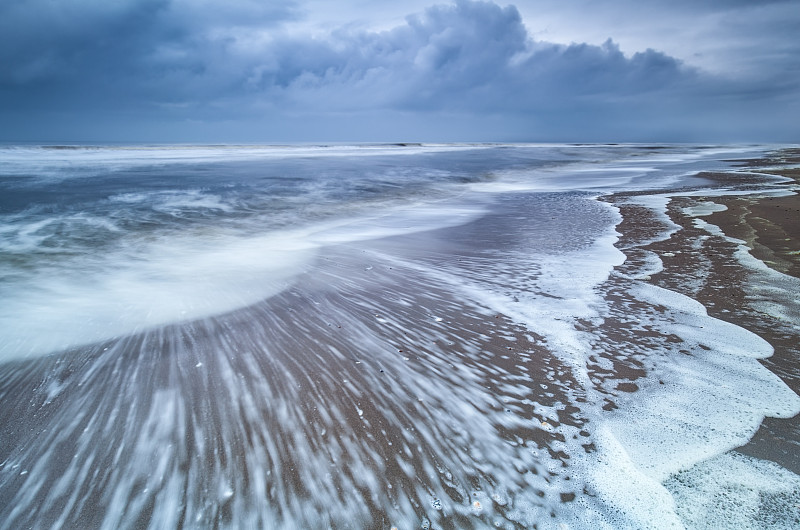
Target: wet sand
<point>365,396</point>
<point>769,228</point>
<point>336,403</point>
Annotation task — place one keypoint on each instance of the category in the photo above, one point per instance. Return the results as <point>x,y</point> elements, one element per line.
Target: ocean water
<point>370,336</point>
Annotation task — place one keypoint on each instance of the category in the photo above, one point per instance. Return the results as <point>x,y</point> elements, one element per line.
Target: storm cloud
<point>186,70</point>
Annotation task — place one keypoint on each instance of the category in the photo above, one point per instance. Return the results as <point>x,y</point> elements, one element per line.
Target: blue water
<point>367,336</point>
<point>99,241</point>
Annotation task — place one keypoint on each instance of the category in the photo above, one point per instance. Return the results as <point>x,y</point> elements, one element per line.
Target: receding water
<point>361,337</point>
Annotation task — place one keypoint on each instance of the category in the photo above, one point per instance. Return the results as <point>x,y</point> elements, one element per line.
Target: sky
<point>261,71</point>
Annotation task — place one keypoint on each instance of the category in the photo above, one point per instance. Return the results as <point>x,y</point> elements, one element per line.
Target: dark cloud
<point>173,62</point>
<point>133,48</point>
<point>469,56</point>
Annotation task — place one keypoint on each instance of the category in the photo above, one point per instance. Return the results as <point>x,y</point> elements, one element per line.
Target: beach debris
<point>436,504</point>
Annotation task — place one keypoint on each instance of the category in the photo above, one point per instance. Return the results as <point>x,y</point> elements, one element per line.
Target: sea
<point>377,336</point>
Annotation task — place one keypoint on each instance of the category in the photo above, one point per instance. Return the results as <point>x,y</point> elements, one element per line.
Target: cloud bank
<point>183,70</point>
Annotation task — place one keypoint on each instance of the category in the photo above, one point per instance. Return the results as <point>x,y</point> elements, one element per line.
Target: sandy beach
<point>565,359</point>
<point>768,227</point>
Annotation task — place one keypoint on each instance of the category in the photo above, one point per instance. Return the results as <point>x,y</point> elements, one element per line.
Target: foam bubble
<point>704,208</point>
<point>736,491</point>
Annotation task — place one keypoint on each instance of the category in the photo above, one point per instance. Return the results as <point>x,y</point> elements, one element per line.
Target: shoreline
<point>511,371</point>
<point>768,228</point>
